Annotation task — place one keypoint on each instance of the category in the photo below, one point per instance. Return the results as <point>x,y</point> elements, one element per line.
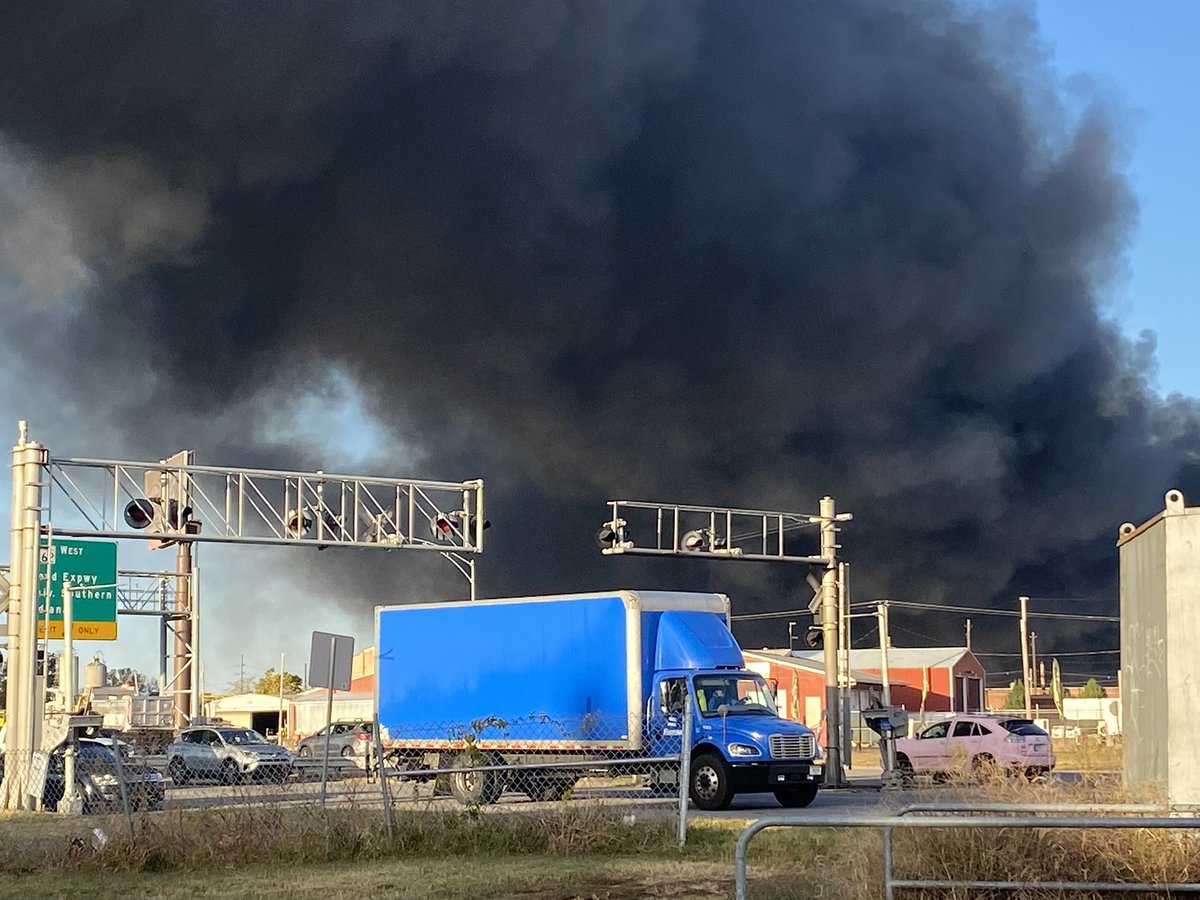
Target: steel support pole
<point>163,631</point>
<point>17,695</point>
<point>31,513</point>
<point>834,776</point>
<point>71,803</point>
<point>194,681</point>
<point>183,634</point>
<point>1025,677</point>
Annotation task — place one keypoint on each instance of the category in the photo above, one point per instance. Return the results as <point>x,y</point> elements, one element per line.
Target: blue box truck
<point>538,680</point>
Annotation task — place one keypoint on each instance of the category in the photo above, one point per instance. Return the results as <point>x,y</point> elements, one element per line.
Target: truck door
<point>665,723</point>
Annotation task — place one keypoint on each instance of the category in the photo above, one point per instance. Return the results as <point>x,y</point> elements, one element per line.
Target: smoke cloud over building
<point>699,251</point>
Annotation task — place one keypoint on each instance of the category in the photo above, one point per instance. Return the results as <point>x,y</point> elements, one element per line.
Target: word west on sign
<point>90,567</point>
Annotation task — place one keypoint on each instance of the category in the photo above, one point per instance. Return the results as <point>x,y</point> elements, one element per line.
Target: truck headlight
<point>744,750</point>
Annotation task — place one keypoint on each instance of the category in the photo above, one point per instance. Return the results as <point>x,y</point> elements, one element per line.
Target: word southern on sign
<point>90,567</point>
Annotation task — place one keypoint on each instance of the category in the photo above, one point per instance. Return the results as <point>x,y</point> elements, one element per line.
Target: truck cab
<point>739,742</point>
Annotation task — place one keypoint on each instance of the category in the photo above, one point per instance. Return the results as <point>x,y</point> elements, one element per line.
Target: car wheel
<point>305,752</point>
<point>709,787</point>
<point>231,772</point>
<point>904,767</point>
<point>984,767</point>
<point>178,771</point>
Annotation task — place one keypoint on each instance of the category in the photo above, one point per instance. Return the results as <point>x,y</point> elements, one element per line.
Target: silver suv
<point>230,755</point>
<point>349,739</point>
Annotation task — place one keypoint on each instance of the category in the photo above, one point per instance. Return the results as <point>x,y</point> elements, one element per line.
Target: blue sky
<point>1144,55</point>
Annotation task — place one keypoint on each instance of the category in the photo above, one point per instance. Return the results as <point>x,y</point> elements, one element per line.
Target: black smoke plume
<point>746,253</point>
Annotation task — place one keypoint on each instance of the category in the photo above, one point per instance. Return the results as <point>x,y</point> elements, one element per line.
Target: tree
<point>269,683</point>
<point>1016,696</point>
<point>1092,690</point>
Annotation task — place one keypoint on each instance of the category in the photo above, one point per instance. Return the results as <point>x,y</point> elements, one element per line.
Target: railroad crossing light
<point>139,513</point>
<point>612,536</point>
<point>143,513</point>
<point>473,526</point>
<point>815,638</point>
<point>442,527</point>
<point>298,524</point>
<point>701,539</point>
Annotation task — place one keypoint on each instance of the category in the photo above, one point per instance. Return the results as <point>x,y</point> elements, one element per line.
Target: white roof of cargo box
<point>648,600</point>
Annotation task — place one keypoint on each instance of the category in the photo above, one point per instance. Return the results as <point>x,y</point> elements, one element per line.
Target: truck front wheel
<point>473,788</point>
<point>710,786</point>
<point>797,797</point>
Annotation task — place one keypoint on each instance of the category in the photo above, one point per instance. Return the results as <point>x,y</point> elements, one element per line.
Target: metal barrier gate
<point>991,815</point>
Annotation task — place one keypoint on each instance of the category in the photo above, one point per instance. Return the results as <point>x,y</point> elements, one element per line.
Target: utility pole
<point>1025,673</point>
<point>242,673</point>
<point>885,641</point>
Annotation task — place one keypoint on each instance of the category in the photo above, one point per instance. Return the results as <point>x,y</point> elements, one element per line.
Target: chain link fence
<point>490,765</point>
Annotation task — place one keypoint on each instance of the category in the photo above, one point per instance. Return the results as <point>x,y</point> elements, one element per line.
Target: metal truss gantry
<point>175,502</point>
<point>753,535</point>
<point>718,532</point>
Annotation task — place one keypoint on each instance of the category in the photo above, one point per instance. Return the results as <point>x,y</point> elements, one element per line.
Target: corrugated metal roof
<point>898,657</point>
<point>816,666</point>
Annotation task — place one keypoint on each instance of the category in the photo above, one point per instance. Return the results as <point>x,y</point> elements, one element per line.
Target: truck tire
<point>547,790</point>
<point>474,788</point>
<point>797,797</point>
<point>710,786</point>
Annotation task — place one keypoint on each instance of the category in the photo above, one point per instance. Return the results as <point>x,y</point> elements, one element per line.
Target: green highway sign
<point>84,565</point>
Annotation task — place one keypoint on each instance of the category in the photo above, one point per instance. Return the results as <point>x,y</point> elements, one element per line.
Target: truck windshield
<point>733,694</point>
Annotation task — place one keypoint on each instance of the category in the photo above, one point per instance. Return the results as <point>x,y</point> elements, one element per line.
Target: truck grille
<point>792,746</point>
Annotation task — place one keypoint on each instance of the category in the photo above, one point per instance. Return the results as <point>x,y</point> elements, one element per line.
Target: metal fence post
<point>888,892</point>
<point>382,772</point>
<point>124,787</point>
<point>685,767</point>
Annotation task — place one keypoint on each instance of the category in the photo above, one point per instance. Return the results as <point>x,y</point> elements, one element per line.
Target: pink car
<point>977,743</point>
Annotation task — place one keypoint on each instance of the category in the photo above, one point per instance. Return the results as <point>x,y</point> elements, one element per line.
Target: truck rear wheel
<point>473,788</point>
<point>710,786</point>
<point>548,789</point>
<point>797,797</point>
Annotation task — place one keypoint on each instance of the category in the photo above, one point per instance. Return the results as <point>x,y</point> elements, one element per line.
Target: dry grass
<point>576,850</point>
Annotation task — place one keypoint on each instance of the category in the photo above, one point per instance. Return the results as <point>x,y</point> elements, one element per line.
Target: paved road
<point>349,786</point>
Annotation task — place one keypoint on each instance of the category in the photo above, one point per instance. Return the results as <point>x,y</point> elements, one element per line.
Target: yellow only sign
<point>82,631</point>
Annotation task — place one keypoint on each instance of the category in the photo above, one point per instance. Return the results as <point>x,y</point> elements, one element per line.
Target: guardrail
<point>985,815</point>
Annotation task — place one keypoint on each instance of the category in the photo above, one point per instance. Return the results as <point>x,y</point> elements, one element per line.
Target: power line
<point>1056,655</point>
<point>980,610</point>
<point>912,604</point>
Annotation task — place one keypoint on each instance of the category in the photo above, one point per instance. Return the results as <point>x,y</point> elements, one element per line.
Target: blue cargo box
<point>538,672</point>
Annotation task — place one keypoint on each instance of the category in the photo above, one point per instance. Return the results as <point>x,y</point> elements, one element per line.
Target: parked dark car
<point>348,739</point>
<point>96,779</point>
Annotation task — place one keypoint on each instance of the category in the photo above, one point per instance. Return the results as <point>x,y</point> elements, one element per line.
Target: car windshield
<point>1023,727</point>
<point>733,695</point>
<point>241,736</point>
